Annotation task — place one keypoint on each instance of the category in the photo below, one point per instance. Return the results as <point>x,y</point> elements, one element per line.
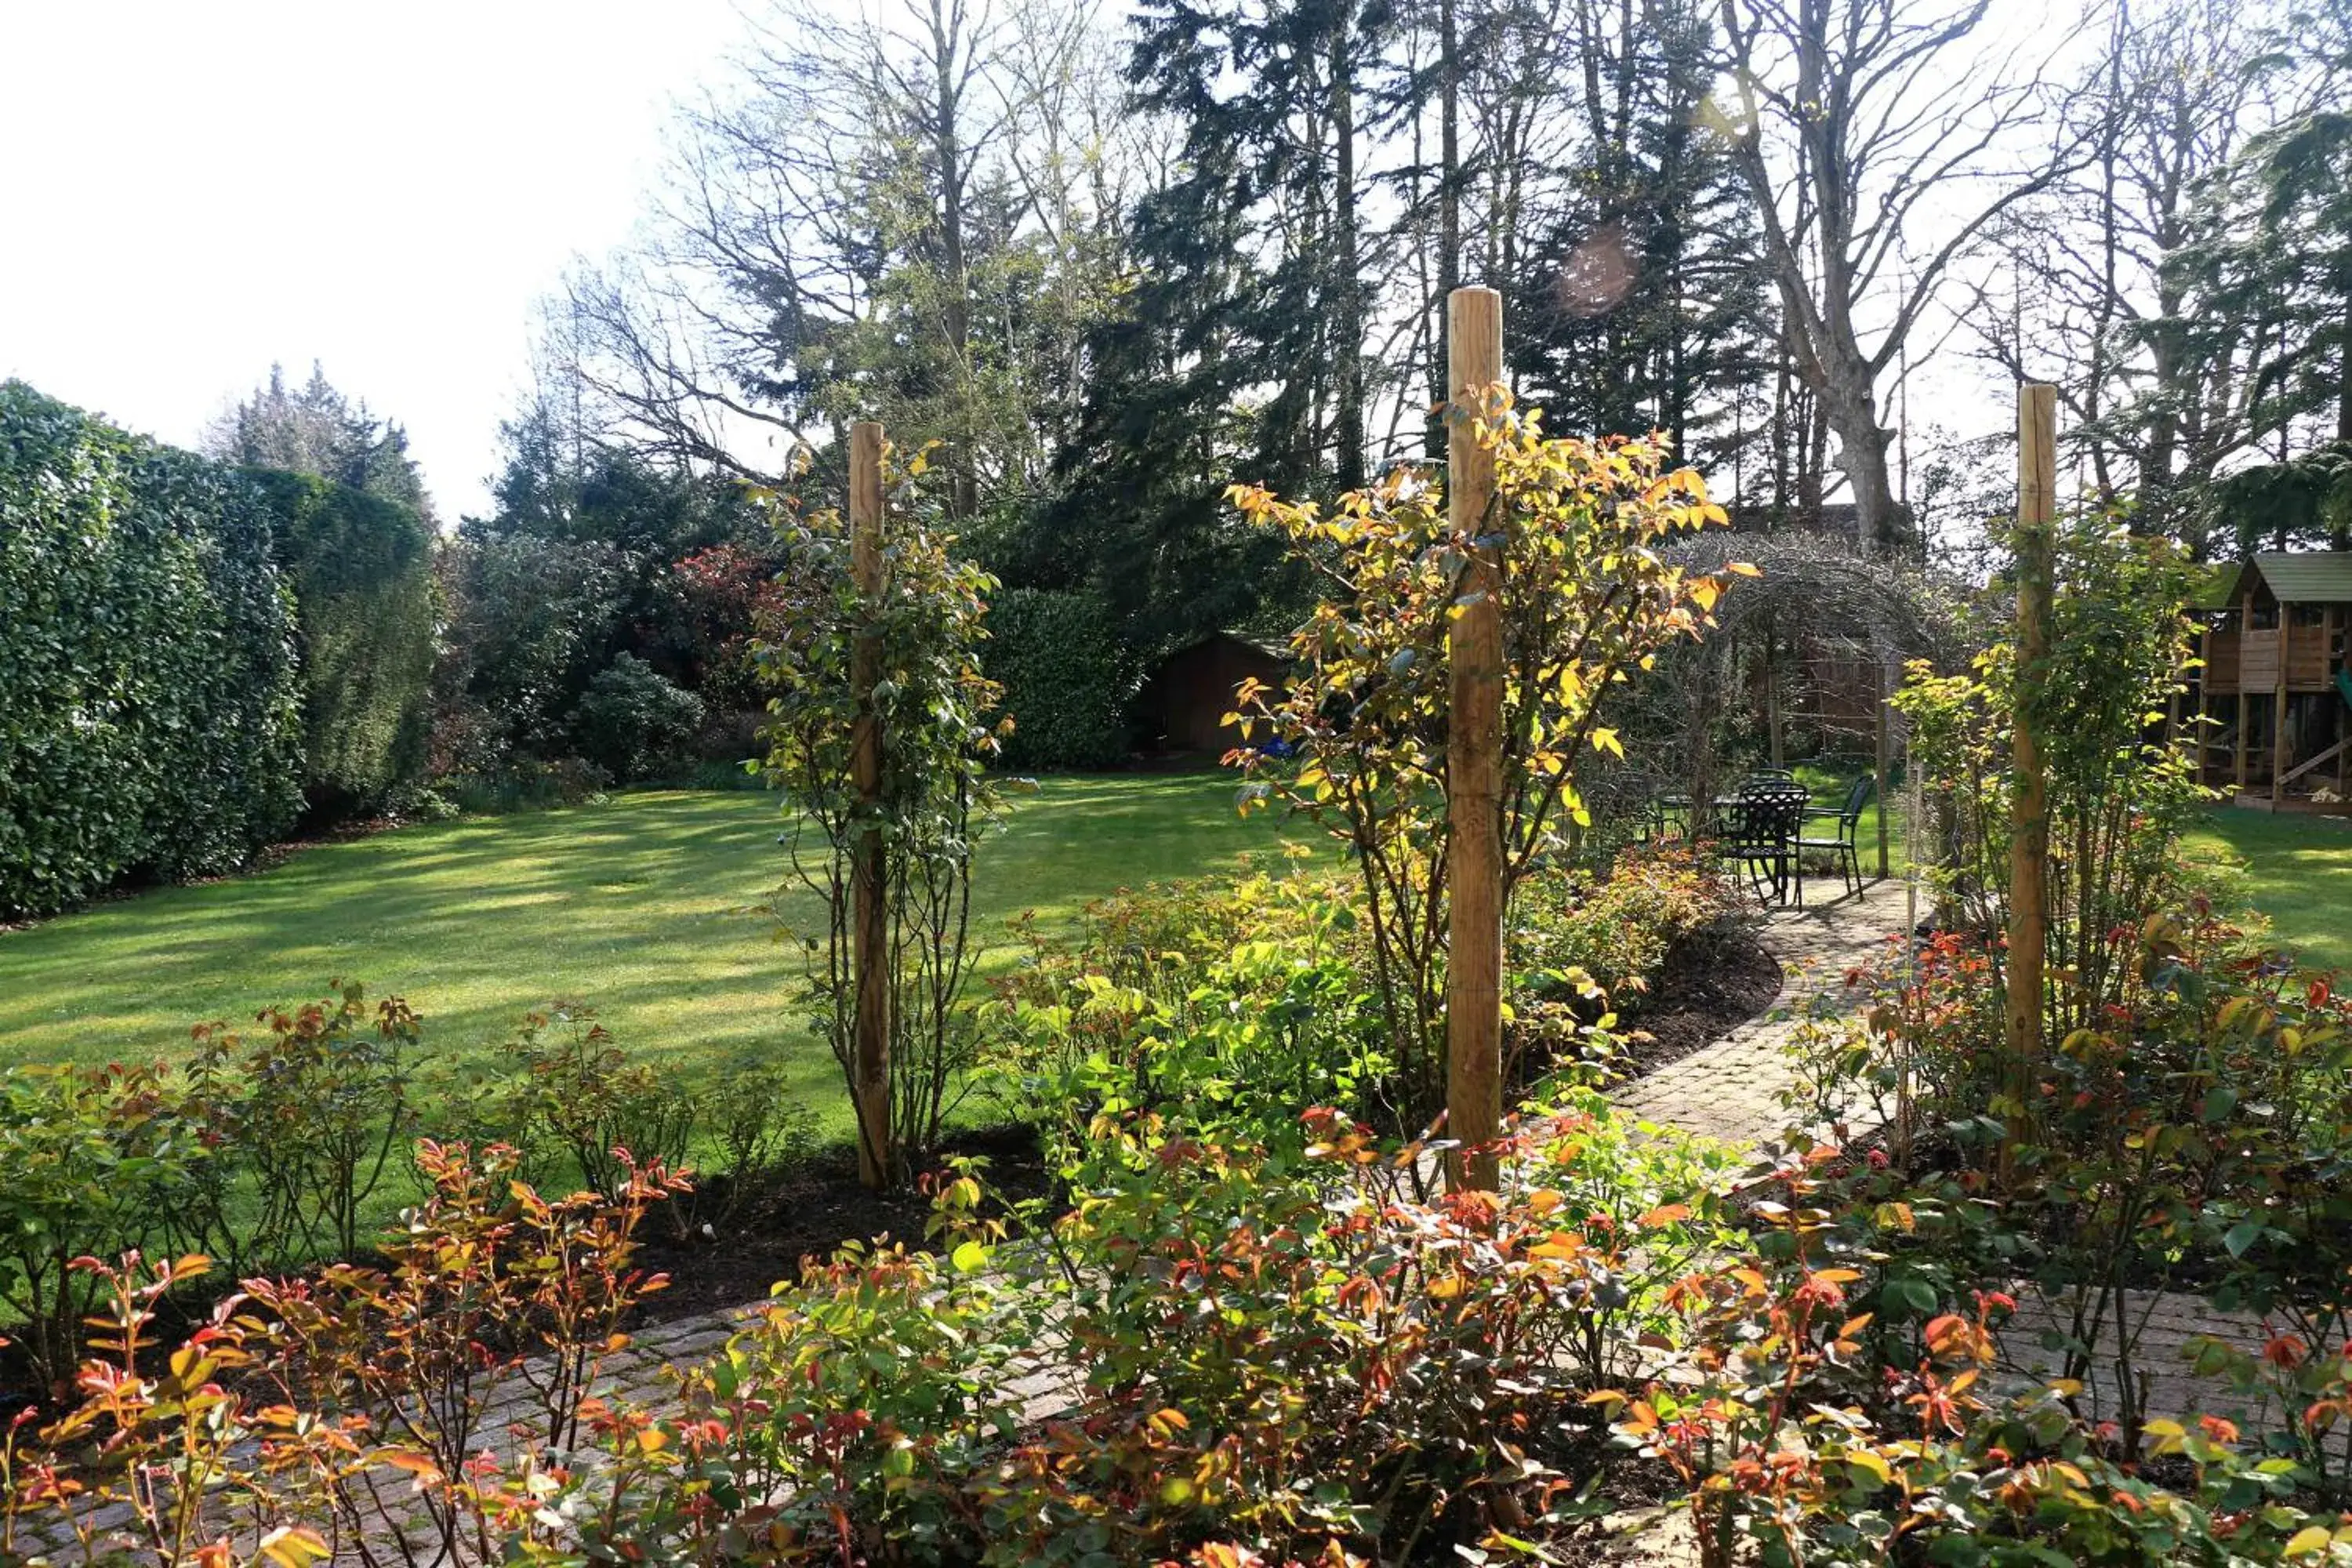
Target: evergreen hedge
<point>1059,659</point>
<point>361,569</point>
<point>149,703</point>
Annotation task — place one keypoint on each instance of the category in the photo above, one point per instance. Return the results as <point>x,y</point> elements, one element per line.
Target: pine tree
<point>317,430</point>
<point>1241,345</point>
<point>1642,305</point>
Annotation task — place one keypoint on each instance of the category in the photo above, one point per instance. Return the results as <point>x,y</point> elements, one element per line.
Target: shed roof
<point>2308,577</point>
<point>1266,646</point>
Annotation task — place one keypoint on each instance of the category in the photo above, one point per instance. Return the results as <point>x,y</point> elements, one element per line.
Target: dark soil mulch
<point>1713,984</point>
<point>821,1205</point>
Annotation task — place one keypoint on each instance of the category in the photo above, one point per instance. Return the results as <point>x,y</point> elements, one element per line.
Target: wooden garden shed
<point>1186,697</point>
<point>2276,691</point>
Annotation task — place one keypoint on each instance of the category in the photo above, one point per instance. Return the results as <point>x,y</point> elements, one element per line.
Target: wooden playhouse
<point>2274,689</point>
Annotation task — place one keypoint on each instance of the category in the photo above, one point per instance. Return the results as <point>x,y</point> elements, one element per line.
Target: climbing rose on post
<point>1588,596</point>
<point>934,799</point>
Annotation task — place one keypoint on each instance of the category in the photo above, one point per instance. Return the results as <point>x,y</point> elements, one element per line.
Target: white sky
<point>190,190</point>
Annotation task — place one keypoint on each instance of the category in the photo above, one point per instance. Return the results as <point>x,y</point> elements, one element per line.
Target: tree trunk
<point>964,468</point>
<point>1348,323</point>
<point>1862,450</point>
<point>1449,215</point>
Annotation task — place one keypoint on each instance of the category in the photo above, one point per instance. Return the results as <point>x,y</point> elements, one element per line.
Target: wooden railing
<point>2249,661</point>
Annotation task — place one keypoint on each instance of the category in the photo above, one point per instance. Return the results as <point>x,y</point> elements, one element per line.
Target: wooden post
<point>1474,760</point>
<point>2029,811</point>
<point>869,914</point>
<point>2279,758</point>
<point>1885,756</point>
<point>2238,773</point>
<point>2204,695</point>
<point>2172,712</point>
<point>2245,709</point>
<point>2338,631</point>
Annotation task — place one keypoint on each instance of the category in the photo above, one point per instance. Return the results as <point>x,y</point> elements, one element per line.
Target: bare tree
<point>897,211</point>
<point>2162,378</point>
<point>1880,138</point>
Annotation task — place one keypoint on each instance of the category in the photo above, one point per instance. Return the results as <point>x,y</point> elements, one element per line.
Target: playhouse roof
<point>2308,577</point>
<point>2293,577</point>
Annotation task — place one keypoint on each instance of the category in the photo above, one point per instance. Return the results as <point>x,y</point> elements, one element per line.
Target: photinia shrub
<point>426,1411</point>
<point>98,1160</point>
<point>577,1107</point>
<point>313,1112</point>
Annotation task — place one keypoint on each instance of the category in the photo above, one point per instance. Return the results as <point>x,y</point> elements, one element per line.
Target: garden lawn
<point>644,907</point>
<point>2301,871</point>
<point>1828,783</point>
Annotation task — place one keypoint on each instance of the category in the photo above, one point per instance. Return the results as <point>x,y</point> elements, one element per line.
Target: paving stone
<point>1733,1090</point>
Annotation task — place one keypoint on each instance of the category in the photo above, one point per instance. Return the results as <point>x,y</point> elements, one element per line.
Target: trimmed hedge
<point>149,704</point>
<point>1059,659</point>
<point>362,569</point>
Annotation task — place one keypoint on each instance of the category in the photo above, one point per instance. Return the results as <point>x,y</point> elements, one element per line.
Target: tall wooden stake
<point>869,913</point>
<point>2337,628</point>
<point>1473,762</point>
<point>2029,810</point>
<point>2279,754</point>
<point>1885,758</point>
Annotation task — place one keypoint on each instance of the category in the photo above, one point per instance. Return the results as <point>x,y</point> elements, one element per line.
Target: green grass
<point>644,907</point>
<point>1827,784</point>
<point>2301,877</point>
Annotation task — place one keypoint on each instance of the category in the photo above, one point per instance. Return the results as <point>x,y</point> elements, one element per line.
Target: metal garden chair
<point>1845,846</point>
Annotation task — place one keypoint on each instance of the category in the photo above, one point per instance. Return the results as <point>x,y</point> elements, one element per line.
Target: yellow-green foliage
<point>1569,931</point>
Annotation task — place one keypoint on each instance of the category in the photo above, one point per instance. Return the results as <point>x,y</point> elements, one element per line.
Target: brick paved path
<point>1732,1089</point>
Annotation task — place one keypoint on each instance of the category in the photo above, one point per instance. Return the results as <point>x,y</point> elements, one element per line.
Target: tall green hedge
<point>1060,661</point>
<point>361,569</point>
<point>150,715</point>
